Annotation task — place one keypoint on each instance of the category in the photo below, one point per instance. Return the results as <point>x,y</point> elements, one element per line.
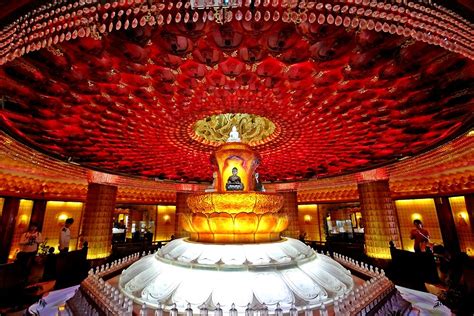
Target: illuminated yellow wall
<point>423,209</point>
<point>56,214</point>
<point>309,221</point>
<point>463,225</point>
<point>165,222</point>
<point>21,225</point>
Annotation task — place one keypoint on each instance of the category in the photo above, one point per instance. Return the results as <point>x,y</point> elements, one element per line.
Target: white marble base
<point>286,272</point>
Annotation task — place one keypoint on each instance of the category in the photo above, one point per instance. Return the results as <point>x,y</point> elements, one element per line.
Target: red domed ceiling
<point>342,100</point>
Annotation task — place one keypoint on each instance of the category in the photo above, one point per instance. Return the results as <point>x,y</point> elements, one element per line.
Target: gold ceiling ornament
<point>253,129</point>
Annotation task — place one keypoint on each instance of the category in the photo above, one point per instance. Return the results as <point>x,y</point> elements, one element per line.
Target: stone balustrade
<point>376,296</point>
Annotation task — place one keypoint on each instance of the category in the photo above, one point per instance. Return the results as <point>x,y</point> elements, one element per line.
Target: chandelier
<point>218,4</point>
<point>58,21</point>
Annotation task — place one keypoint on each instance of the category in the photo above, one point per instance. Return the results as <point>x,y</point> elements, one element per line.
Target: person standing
<point>65,236</point>
<point>29,242</point>
<point>420,235</point>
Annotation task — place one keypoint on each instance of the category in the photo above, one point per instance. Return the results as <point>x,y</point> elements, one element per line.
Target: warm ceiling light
<point>307,219</point>
<point>166,218</point>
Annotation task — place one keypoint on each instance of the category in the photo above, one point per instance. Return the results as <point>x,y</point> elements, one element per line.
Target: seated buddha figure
<point>234,135</point>
<point>234,183</point>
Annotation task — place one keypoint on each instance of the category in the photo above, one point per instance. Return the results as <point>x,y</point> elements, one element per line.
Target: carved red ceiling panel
<point>342,100</point>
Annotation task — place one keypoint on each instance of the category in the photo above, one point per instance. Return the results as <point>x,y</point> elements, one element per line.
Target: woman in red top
<point>420,235</point>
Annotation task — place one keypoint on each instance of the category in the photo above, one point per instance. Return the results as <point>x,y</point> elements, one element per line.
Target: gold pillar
<point>380,217</point>
<point>182,208</point>
<point>97,221</point>
<point>290,208</point>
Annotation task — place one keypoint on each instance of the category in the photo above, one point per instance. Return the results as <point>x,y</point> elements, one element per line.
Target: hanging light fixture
<point>217,4</point>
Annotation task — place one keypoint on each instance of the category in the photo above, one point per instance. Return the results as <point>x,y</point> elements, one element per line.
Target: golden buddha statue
<point>234,183</point>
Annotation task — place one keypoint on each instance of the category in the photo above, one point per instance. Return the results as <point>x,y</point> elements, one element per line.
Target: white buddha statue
<point>233,136</point>
<point>212,187</point>
<point>258,184</point>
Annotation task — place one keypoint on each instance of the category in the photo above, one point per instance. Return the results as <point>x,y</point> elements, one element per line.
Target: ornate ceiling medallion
<point>253,129</point>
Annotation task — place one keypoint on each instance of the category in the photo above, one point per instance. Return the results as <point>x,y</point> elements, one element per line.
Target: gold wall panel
<point>463,224</point>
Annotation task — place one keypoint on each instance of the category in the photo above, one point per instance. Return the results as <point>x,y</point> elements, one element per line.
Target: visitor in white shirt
<point>65,236</point>
<point>29,242</point>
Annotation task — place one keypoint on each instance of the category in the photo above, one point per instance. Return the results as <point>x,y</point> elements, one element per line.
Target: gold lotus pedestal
<point>235,217</point>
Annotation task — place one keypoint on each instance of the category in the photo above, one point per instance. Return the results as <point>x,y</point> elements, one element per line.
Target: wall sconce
<point>23,220</point>
<point>416,216</point>
<point>307,219</point>
<point>166,219</point>
<point>62,218</point>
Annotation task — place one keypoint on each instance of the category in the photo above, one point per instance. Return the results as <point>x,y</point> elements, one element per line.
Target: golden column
<point>98,214</point>
<point>379,213</point>
<point>182,210</point>
<point>290,209</point>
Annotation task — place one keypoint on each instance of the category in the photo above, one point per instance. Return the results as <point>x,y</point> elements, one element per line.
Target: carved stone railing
<point>97,297</point>
<point>376,296</point>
